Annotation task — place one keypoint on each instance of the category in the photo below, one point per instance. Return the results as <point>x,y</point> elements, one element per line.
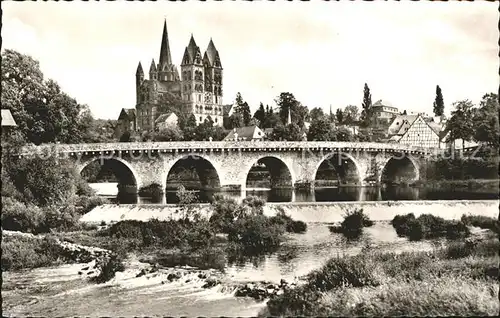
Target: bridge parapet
<point>232,145</point>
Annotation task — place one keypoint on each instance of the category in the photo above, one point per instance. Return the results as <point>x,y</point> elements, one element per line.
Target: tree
<point>241,109</point>
<point>260,114</point>
<point>320,130</point>
<point>41,110</point>
<point>235,121</point>
<point>460,125</point>
<point>171,133</point>
<point>438,102</point>
<point>486,120</point>
<point>271,120</point>
<point>351,114</point>
<point>366,114</point>
<point>291,132</point>
<point>316,113</point>
<point>298,113</point>
<point>343,134</point>
<point>339,115</point>
<point>189,130</point>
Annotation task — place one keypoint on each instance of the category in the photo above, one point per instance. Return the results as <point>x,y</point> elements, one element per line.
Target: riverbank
<point>310,212</point>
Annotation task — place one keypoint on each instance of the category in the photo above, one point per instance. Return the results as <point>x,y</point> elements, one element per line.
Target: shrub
<point>400,223</point>
<point>18,216</point>
<point>19,252</point>
<point>428,226</point>
<point>171,233</point>
<point>353,224</point>
<point>483,222</point>
<point>108,266</point>
<point>257,233</point>
<point>354,271</point>
<point>225,211</point>
<point>292,226</point>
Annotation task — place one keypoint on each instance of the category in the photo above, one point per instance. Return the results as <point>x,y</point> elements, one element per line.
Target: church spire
<point>139,70</point>
<point>165,56</point>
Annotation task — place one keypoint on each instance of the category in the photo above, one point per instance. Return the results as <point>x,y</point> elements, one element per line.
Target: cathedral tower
<point>193,81</point>
<point>139,78</point>
<point>213,79</point>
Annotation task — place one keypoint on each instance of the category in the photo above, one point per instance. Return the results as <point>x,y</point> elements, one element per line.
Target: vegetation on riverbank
<point>458,279</point>
<point>353,224</point>
<point>428,226</point>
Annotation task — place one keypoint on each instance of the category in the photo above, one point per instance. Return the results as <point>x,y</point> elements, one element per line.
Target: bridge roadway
<point>226,164</point>
<point>243,145</point>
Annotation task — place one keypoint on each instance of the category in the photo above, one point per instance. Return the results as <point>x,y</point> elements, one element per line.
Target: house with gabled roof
<point>249,133</point>
<point>166,120</point>
<point>417,132</point>
<point>126,122</point>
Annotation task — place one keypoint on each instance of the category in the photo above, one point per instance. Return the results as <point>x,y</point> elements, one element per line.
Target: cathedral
<point>198,84</point>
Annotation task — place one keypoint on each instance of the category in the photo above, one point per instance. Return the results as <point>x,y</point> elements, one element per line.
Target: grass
<point>444,282</point>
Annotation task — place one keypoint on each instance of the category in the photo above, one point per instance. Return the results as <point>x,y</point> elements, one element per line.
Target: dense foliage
<point>427,226</point>
<point>42,111</point>
<point>353,224</point>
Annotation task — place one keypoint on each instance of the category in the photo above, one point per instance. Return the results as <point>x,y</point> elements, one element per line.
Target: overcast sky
<point>322,52</point>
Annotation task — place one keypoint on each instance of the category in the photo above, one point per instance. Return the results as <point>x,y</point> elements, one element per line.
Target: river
<point>325,194</point>
<point>60,291</point>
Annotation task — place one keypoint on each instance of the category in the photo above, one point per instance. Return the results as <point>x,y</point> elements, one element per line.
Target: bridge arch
<point>399,168</point>
<point>347,169</point>
<point>281,175</point>
<point>122,170</point>
<point>193,171</point>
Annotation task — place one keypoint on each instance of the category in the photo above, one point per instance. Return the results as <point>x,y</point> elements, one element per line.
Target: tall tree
<point>189,129</point>
<point>42,111</point>
<point>339,116</point>
<point>351,114</point>
<point>243,110</point>
<point>260,114</point>
<point>289,105</point>
<point>438,102</point>
<point>366,114</point>
<point>316,113</point>
<point>320,130</point>
<point>460,125</point>
<point>486,120</point>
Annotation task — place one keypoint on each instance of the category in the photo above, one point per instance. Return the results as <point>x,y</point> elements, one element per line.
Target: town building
<point>383,111</point>
<point>126,122</point>
<point>249,133</point>
<point>167,120</point>
<point>8,123</point>
<point>415,130</point>
<point>197,86</point>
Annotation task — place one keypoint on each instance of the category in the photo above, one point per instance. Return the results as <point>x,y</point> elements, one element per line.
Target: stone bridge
<point>226,164</point>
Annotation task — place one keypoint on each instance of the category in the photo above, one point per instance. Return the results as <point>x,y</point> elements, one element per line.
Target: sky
<point>322,52</point>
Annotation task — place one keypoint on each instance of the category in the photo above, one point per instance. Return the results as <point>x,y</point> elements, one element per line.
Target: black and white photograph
<point>250,158</point>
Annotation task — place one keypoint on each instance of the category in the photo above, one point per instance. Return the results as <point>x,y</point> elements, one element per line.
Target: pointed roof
<point>192,49</point>
<point>165,56</point>
<point>152,68</point>
<point>211,52</point>
<point>139,70</point>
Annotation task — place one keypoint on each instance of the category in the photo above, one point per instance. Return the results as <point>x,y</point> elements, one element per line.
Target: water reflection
<point>327,194</point>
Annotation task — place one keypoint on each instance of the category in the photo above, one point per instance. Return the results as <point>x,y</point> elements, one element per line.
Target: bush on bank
<point>483,222</point>
<point>43,194</point>
<point>405,284</point>
<point>19,252</point>
<point>428,226</point>
<point>353,224</point>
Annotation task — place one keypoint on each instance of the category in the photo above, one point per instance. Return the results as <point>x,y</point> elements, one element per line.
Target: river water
<point>60,291</point>
<point>325,194</point>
